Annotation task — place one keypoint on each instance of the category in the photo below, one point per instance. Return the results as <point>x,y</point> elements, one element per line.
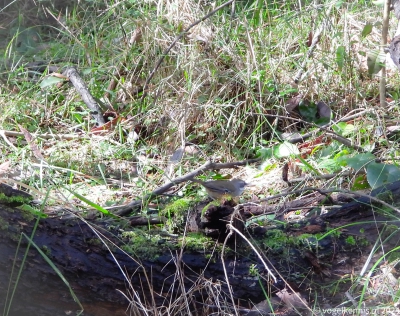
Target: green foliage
<point>344,129</point>
<point>285,149</point>
<point>176,214</point>
<point>14,199</point>
<point>378,174</point>
<point>360,183</point>
<point>144,245</point>
<point>50,81</point>
<point>308,111</point>
<point>340,57</point>
<point>358,161</point>
<point>34,211</point>
<point>375,61</point>
<point>253,270</point>
<point>350,240</point>
<point>367,30</point>
<point>197,242</point>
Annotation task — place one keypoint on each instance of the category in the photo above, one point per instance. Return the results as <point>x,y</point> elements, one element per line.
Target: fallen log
<point>108,275</point>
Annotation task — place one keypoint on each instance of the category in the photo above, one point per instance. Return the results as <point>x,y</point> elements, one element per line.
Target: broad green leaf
<point>343,128</point>
<point>329,164</point>
<point>366,30</point>
<point>87,71</point>
<point>322,121</point>
<point>266,166</point>
<point>375,61</point>
<point>379,174</point>
<point>339,127</point>
<point>340,56</point>
<point>285,149</point>
<point>50,81</point>
<point>308,111</point>
<point>360,183</point>
<point>348,130</point>
<point>265,153</point>
<point>338,4</point>
<point>261,218</point>
<point>359,161</point>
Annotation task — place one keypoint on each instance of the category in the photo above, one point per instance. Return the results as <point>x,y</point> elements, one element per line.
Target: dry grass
<point>215,89</point>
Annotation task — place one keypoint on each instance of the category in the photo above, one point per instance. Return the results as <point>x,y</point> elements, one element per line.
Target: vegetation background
<point>243,83</point>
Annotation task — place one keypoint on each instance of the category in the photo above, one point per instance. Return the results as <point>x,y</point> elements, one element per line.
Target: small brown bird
<point>219,188</point>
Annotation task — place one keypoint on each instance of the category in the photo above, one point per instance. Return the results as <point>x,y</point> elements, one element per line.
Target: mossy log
<point>90,258</point>
<point>97,273</point>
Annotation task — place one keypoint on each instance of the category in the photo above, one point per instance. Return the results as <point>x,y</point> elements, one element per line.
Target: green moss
<point>394,256</point>
<point>145,245</point>
<point>196,242</point>
<point>253,270</point>
<point>176,208</point>
<point>46,251</point>
<point>275,239</point>
<point>13,232</point>
<point>176,215</point>
<point>15,199</point>
<point>278,241</point>
<point>350,240</point>
<point>212,203</point>
<point>363,241</point>
<point>3,224</point>
<point>94,241</point>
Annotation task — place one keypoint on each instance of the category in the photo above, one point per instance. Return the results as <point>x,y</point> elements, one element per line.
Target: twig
<point>325,128</point>
<point>4,136</point>
<point>327,191</point>
<point>50,136</point>
<point>126,209</point>
<point>230,226</point>
<point>345,141</point>
<point>72,74</point>
<point>325,176</point>
<point>224,267</point>
<point>165,53</point>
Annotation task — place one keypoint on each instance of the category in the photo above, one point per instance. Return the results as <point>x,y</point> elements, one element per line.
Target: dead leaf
<point>324,110</point>
<point>4,167</point>
<point>292,104</point>
<point>107,127</point>
<point>293,300</point>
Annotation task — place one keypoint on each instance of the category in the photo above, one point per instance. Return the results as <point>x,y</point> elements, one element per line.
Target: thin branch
<point>327,191</point>
<point>209,165</point>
